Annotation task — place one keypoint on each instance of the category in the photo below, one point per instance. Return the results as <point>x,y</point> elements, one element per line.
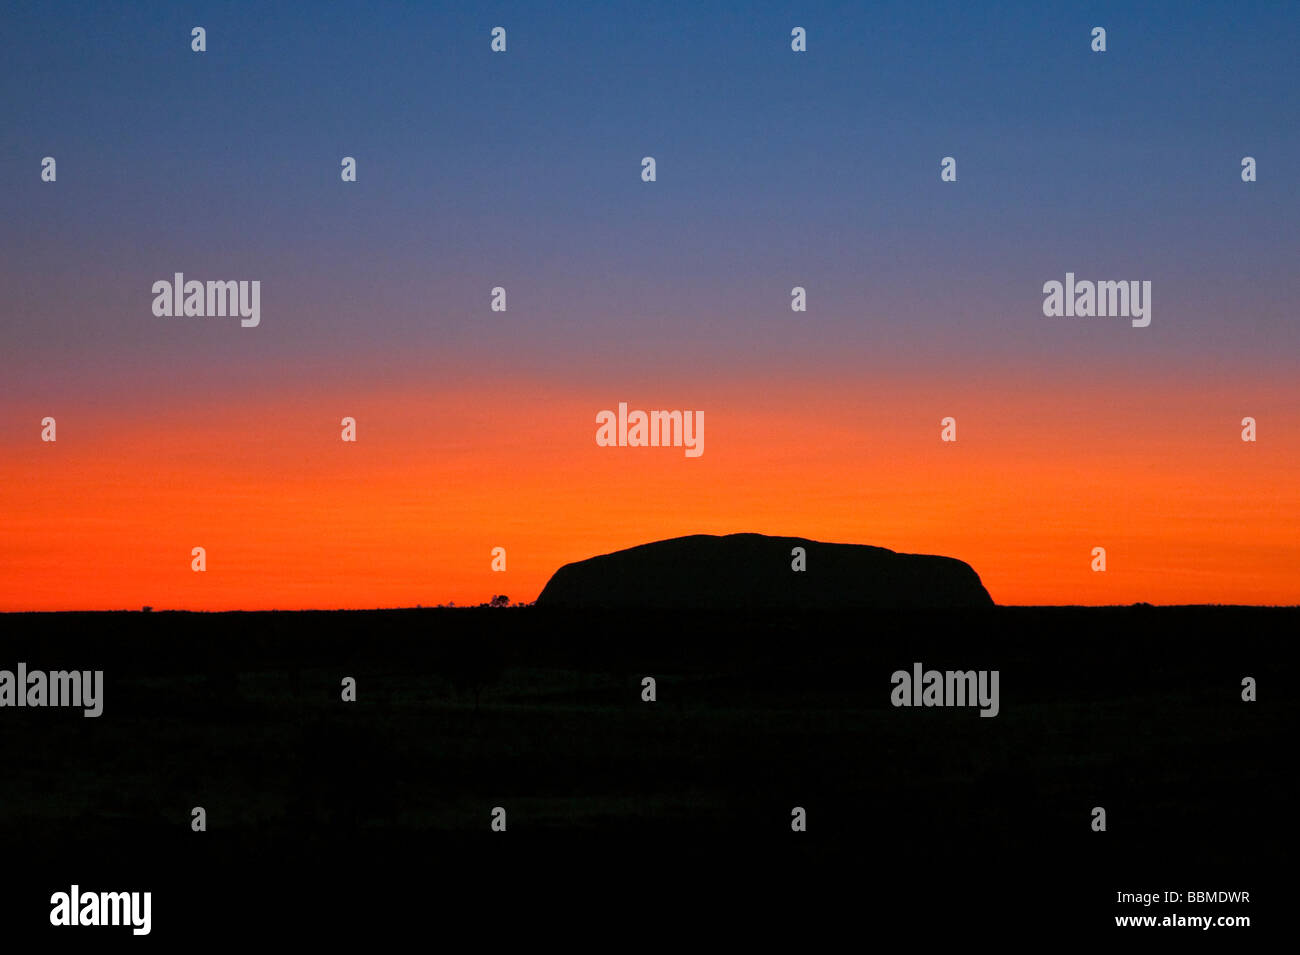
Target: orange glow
<point>292,517</point>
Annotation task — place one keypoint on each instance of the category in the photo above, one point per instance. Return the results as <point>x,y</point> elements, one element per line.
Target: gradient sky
<point>476,429</point>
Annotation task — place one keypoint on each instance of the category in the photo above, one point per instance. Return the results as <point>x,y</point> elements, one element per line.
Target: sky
<point>476,429</point>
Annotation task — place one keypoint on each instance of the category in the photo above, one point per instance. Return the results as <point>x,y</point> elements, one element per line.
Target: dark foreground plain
<point>631,819</point>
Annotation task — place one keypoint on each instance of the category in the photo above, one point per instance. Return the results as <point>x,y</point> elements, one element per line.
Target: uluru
<point>740,571</point>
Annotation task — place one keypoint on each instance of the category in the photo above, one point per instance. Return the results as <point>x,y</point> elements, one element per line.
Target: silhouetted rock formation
<point>752,570</point>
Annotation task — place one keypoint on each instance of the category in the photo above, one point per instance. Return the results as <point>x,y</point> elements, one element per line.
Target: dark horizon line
<point>703,610</point>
